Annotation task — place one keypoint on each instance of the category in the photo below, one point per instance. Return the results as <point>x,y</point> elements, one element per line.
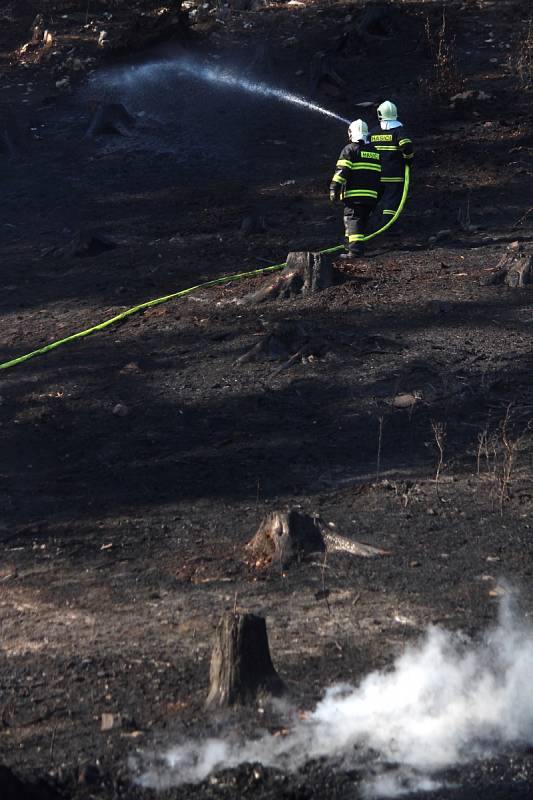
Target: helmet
<point>357,130</point>
<point>387,111</point>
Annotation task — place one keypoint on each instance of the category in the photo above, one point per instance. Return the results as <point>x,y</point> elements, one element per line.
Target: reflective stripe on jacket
<point>358,171</point>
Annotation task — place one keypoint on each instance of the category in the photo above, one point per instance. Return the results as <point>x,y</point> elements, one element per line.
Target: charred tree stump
<point>281,341</point>
<point>285,537</point>
<point>376,21</point>
<point>38,28</point>
<point>14,137</point>
<point>142,30</point>
<point>323,69</point>
<point>304,273</point>
<point>261,61</point>
<point>82,245</point>
<point>12,788</point>
<point>241,666</point>
<point>316,269</point>
<point>287,341</point>
<point>110,118</point>
<point>515,268</point>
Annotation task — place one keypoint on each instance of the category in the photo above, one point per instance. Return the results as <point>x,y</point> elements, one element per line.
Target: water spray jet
<point>135,76</point>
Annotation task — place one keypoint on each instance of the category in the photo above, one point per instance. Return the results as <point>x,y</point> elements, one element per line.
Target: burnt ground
<point>122,535</point>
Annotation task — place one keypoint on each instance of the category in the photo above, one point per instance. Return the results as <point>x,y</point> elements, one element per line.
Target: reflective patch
<point>355,237</point>
<point>391,180</point>
<point>405,141</point>
<point>381,137</point>
<point>361,193</point>
<point>371,167</point>
<point>358,164</point>
<point>389,212</point>
<point>367,154</point>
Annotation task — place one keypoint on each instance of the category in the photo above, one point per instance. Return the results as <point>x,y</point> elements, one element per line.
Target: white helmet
<point>357,130</point>
<point>387,111</point>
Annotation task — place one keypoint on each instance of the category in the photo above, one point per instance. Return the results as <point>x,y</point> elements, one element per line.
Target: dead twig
<point>446,79</point>
<point>510,447</point>
<point>439,432</point>
<point>500,450</point>
<point>483,446</point>
<point>52,744</point>
<point>301,352</point>
<point>380,439</point>
<point>324,592</point>
<point>522,219</point>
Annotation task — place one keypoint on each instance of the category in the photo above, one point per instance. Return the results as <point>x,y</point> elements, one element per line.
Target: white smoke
<point>444,702</point>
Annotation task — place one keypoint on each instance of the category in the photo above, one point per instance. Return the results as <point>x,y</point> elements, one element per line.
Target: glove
<point>334,193</point>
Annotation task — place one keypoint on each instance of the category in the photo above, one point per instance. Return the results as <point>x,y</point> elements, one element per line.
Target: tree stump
<point>281,341</point>
<point>261,61</point>
<point>241,666</point>
<point>14,137</point>
<point>286,537</point>
<point>376,21</point>
<point>304,273</point>
<point>252,225</point>
<point>38,28</point>
<point>82,245</point>
<point>110,118</point>
<point>515,268</point>
<point>12,788</point>
<point>139,31</point>
<point>323,69</point>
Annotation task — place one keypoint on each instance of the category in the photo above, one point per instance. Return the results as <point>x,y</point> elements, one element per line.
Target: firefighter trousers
<point>355,221</point>
<point>391,197</point>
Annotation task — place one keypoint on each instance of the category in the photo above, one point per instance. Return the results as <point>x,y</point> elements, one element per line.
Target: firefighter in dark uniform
<point>357,183</point>
<point>395,148</point>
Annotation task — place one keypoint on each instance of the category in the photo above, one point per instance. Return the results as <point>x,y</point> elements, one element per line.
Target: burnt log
<point>241,667</point>
<point>304,273</point>
<point>110,118</point>
<point>515,268</point>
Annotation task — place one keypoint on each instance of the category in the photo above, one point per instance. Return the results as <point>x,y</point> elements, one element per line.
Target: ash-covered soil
<point>138,462</point>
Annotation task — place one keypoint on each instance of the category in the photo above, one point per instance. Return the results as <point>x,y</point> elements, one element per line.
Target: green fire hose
<point>175,295</point>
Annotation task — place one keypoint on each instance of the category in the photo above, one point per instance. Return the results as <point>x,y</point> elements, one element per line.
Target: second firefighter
<point>357,183</point>
<point>396,150</point>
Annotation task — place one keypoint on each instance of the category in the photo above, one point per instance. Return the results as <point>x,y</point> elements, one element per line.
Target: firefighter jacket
<point>395,148</point>
<point>357,174</point>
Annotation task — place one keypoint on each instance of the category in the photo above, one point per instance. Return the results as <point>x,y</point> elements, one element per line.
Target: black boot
<point>354,252</point>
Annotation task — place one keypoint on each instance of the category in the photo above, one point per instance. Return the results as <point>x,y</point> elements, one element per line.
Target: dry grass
<point>445,79</point>
<point>439,432</point>
<point>522,58</point>
<point>500,449</point>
